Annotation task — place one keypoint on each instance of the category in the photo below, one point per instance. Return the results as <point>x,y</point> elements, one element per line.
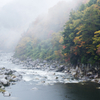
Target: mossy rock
<point>1,90</point>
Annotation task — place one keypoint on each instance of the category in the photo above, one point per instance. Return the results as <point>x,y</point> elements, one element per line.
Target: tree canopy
<point>81,34</point>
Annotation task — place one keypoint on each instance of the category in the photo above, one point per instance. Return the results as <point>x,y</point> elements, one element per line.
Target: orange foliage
<point>76,48</point>
<point>81,44</point>
<point>98,51</point>
<point>66,60</point>
<point>87,52</point>
<point>75,53</point>
<point>64,47</point>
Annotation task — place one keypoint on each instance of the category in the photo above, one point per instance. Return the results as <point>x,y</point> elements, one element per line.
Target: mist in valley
<point>16,17</point>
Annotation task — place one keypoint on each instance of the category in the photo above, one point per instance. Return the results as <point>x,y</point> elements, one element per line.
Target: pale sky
<point>4,2</point>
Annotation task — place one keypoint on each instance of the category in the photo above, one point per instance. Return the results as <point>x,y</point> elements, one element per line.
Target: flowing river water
<point>46,85</point>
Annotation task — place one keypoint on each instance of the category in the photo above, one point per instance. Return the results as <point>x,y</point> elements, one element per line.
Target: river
<point>45,85</point>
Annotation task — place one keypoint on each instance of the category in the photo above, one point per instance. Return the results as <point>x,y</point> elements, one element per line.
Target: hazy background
<point>17,15</point>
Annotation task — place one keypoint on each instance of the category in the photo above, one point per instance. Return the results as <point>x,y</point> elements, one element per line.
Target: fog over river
<point>46,85</point>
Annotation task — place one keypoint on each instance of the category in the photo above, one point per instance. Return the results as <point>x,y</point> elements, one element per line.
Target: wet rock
<point>17,74</point>
<point>43,81</point>
<point>7,76</point>
<point>34,88</point>
<point>73,73</point>
<point>0,84</point>
<point>14,79</point>
<point>93,70</point>
<point>41,64</point>
<point>91,76</point>
<point>52,67</point>
<point>60,69</point>
<point>4,82</point>
<point>85,78</point>
<point>6,94</point>
<point>56,77</point>
<point>2,87</point>
<point>3,76</point>
<point>93,80</point>
<point>53,73</point>
<point>61,66</point>
<point>38,67</point>
<point>13,83</point>
<point>8,72</point>
<point>44,61</point>
<point>97,87</point>
<point>99,73</point>
<point>99,81</point>
<point>89,73</point>
<point>96,76</point>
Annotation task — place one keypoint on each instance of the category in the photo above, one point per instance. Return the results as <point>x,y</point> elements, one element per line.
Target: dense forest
<point>72,35</point>
<point>43,39</point>
<point>82,35</point>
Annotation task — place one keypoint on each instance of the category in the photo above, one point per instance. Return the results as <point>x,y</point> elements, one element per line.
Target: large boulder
<point>8,72</point>
<point>4,82</point>
<point>6,94</point>
<point>99,73</point>
<point>60,69</point>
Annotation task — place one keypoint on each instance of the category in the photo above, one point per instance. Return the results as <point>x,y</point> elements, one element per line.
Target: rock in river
<point>6,94</point>
<point>4,82</point>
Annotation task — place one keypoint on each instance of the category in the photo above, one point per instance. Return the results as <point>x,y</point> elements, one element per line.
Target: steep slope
<point>43,38</point>
<point>82,35</point>
<point>37,41</point>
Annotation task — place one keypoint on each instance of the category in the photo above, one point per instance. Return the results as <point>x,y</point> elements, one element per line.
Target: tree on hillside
<point>79,32</point>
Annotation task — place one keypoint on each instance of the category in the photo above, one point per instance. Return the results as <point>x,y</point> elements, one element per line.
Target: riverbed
<point>46,85</point>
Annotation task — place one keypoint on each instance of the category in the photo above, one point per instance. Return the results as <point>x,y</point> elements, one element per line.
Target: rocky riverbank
<point>8,77</point>
<point>83,73</point>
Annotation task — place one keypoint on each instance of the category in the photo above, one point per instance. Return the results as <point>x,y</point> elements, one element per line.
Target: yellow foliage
<point>87,52</point>
<point>98,1</point>
<point>80,27</point>
<point>87,47</point>
<point>56,52</point>
<point>98,45</point>
<point>80,46</point>
<point>78,33</point>
<point>65,54</point>
<point>61,40</point>
<point>71,26</point>
<point>77,39</point>
<point>97,32</point>
<point>76,22</point>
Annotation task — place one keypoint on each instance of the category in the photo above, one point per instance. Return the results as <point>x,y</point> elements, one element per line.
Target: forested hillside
<point>43,38</point>
<point>64,33</point>
<point>82,35</point>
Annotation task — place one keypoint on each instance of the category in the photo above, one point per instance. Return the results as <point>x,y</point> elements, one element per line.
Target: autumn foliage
<point>72,35</point>
<point>82,34</point>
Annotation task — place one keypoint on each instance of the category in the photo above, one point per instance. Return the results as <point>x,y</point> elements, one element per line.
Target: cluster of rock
<point>91,74</point>
<point>8,77</point>
<point>40,64</point>
<point>80,73</point>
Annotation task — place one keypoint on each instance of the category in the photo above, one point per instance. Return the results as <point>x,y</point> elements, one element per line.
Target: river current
<point>46,85</point>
